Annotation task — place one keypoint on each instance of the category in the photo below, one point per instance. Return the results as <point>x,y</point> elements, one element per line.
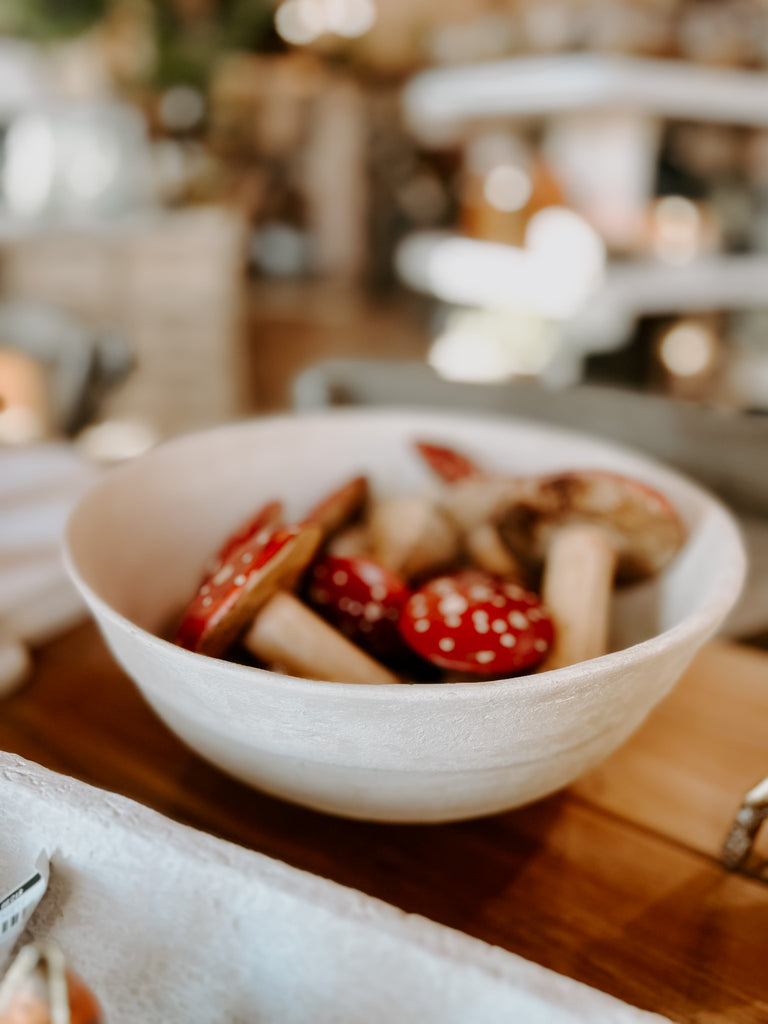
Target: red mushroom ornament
<point>472,499</point>
<point>250,597</point>
<point>259,527</point>
<point>362,599</point>
<point>39,989</point>
<point>475,623</point>
<point>589,529</point>
<point>343,506</point>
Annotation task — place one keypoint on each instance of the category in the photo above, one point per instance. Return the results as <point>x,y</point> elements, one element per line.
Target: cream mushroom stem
<point>576,588</point>
<point>287,633</point>
<point>487,551</point>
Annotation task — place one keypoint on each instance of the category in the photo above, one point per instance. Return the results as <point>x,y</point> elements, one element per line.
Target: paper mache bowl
<point>421,752</point>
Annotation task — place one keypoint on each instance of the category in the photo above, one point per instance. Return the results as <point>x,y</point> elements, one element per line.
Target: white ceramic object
<point>171,926</point>
<point>135,548</point>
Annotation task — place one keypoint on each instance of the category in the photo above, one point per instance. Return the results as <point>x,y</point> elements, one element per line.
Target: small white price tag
<point>17,906</point>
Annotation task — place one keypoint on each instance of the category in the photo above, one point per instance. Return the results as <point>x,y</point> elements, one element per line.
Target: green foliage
<point>187,51</point>
<point>49,19</point>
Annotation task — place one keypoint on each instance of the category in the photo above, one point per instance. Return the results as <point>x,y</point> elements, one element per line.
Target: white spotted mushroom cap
<point>473,622</point>
<point>362,599</point>
<point>226,602</point>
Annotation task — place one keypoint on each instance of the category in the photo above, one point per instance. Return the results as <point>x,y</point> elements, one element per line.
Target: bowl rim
<point>703,619</point>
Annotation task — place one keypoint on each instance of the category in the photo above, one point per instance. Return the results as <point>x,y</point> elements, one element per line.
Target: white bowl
<point>136,544</point>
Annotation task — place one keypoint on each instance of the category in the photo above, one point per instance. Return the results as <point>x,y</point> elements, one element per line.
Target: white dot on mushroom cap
<point>378,591</point>
<point>446,644</point>
<point>498,600</point>
<point>240,579</point>
<point>344,603</point>
<point>518,620</point>
<point>370,574</point>
<point>421,625</point>
<point>444,586</point>
<point>512,590</point>
<point>263,536</point>
<point>454,621</point>
<point>499,626</point>
<point>205,589</point>
<point>484,657</point>
<point>355,608</point>
<point>247,556</point>
<point>452,604</point>
<point>223,574</point>
<point>507,640</point>
<point>534,614</point>
<point>480,621</point>
<point>340,578</point>
<point>478,592</point>
<point>207,602</point>
<point>540,645</point>
<point>373,611</point>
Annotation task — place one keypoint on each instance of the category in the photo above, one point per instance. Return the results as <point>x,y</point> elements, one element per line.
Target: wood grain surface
<point>615,882</point>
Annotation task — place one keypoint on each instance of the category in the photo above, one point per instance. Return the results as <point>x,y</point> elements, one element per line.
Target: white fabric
<point>172,926</point>
<point>39,486</point>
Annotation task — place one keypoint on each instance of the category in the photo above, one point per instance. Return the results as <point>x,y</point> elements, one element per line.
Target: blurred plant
<point>192,34</point>
<point>49,19</point>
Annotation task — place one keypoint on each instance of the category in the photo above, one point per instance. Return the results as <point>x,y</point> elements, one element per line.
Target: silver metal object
<point>737,852</point>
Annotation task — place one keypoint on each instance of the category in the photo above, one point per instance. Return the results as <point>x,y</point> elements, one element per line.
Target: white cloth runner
<point>39,486</point>
<point>172,926</point>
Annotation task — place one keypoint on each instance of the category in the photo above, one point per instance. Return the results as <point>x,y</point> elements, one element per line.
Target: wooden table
<point>615,882</point>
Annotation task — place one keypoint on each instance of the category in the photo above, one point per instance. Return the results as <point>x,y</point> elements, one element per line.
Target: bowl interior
<point>139,539</point>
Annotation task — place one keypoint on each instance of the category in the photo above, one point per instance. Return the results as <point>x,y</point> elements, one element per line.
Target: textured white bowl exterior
<point>137,541</point>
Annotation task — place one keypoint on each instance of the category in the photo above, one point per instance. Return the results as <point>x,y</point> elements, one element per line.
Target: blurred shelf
<point>441,100</point>
<point>629,289</point>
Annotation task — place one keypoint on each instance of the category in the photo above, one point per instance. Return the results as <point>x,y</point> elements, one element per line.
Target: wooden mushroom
<point>261,525</point>
<point>362,599</point>
<point>39,988</point>
<point>250,597</point>
<point>589,529</point>
<point>473,499</point>
<point>473,623</point>
<point>411,535</point>
<point>340,508</point>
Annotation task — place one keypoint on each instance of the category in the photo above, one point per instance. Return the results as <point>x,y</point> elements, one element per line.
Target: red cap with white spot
<point>226,602</point>
<point>473,622</point>
<point>340,507</point>
<point>361,598</point>
<point>261,525</point>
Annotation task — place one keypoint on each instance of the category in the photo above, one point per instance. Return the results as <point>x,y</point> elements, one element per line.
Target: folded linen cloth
<point>39,486</point>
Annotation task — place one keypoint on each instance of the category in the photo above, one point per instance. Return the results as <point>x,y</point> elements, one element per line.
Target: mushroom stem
<point>286,632</point>
<point>488,551</point>
<point>577,585</point>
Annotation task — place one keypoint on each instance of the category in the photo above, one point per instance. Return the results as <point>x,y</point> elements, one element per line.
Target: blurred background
<point>557,208</point>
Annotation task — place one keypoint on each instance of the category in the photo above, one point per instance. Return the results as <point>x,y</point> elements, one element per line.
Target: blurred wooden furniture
<point>173,284</point>
<point>616,882</point>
